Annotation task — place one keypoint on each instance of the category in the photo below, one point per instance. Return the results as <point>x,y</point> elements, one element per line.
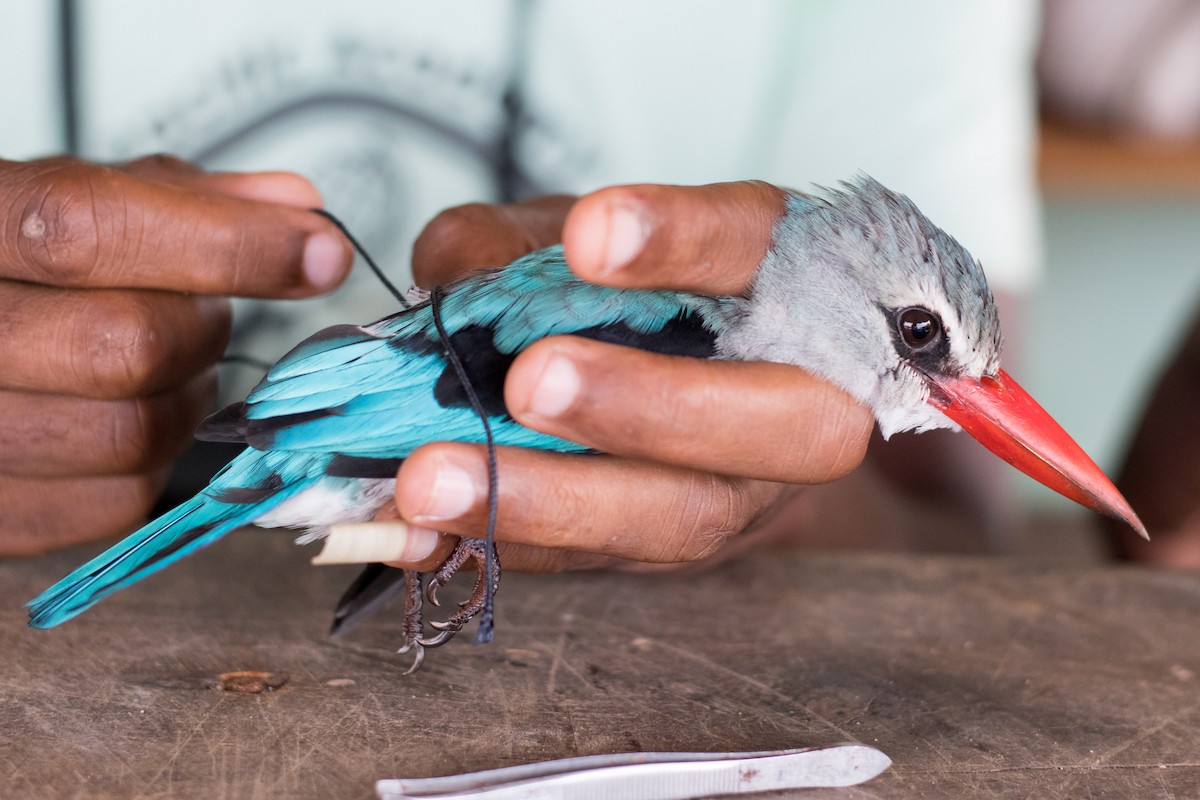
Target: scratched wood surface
<point>978,677</point>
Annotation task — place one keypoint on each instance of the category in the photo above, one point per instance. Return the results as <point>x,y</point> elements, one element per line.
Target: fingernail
<point>370,542</point>
<point>452,493</point>
<point>556,388</point>
<point>627,232</point>
<point>324,260</point>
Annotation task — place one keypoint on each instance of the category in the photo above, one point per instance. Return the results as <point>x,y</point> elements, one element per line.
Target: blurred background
<point>1059,140</point>
<point>1119,172</point>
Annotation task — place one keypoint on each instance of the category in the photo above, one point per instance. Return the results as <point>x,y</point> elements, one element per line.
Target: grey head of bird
<point>862,289</point>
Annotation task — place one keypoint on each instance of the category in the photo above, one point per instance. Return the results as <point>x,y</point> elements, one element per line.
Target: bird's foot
<point>467,550</point>
<point>413,620</point>
<point>415,640</point>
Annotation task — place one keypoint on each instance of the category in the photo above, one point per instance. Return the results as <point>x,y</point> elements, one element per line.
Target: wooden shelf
<point>1071,161</point>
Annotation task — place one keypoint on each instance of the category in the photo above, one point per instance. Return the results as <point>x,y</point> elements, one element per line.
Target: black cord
<point>251,361</point>
<point>487,617</point>
<point>391,287</point>
<point>487,625</point>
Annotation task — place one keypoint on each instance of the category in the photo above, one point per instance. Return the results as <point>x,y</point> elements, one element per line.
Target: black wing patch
<point>487,367</point>
<point>683,335</point>
<point>231,425</point>
<point>226,425</point>
<point>344,466</point>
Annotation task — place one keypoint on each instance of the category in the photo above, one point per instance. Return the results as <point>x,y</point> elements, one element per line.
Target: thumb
<point>481,236</point>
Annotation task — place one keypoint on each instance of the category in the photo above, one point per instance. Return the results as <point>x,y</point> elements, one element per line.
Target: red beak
<point>1006,420</point>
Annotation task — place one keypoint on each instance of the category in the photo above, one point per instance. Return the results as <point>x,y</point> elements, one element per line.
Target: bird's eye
<point>918,327</point>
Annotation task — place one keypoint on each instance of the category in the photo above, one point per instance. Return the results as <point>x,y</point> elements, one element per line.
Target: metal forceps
<point>651,776</point>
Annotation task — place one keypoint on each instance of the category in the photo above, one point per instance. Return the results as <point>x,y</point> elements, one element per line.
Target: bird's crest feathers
<point>844,263</point>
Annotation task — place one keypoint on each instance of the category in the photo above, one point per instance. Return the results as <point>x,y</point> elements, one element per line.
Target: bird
<point>858,287</point>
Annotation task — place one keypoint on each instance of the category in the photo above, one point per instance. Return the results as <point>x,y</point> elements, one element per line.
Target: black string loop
<point>483,634</point>
<point>391,287</point>
<point>486,628</point>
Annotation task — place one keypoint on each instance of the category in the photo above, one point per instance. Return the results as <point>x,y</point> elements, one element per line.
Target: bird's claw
<point>436,582</point>
<point>438,639</point>
<point>431,592</point>
<point>419,655</point>
<point>414,637</point>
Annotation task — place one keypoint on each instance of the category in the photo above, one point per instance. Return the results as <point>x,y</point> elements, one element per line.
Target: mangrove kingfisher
<point>858,288</point>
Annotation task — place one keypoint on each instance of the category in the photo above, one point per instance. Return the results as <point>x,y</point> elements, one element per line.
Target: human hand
<point>112,315</point>
<point>700,454</point>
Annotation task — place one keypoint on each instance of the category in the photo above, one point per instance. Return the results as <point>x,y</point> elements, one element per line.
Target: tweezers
<point>651,776</point>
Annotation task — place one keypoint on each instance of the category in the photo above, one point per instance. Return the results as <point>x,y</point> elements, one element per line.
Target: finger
<point>106,344</point>
<point>594,504</point>
<point>80,225</point>
<point>706,239</point>
<point>416,548</point>
<point>58,436</point>
<point>751,419</point>
<point>398,544</point>
<point>479,236</point>
<point>284,188</point>
<point>529,558</point>
<point>42,515</point>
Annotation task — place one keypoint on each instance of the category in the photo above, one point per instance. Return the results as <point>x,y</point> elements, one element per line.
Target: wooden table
<point>978,677</point>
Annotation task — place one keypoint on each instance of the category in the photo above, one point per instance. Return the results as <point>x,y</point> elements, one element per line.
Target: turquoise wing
<point>381,390</point>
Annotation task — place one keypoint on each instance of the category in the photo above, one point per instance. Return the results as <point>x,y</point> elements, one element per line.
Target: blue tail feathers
<point>178,533</point>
